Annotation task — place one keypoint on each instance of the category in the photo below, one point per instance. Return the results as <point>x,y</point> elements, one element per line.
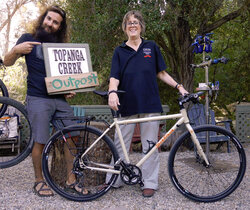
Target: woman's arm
<point>113,97</point>
<point>165,77</point>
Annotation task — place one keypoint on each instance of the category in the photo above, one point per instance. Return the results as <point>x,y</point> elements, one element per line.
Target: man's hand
<point>25,47</point>
<point>17,51</point>
<point>69,95</point>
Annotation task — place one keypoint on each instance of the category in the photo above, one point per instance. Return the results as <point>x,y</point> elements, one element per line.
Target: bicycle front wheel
<point>189,173</point>
<point>69,144</point>
<point>15,133</point>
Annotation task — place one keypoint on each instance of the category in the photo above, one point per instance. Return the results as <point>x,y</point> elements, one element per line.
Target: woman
<point>136,64</point>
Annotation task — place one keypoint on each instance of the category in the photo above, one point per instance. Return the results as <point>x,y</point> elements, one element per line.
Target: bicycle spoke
<point>15,133</point>
<point>90,180</point>
<point>198,182</point>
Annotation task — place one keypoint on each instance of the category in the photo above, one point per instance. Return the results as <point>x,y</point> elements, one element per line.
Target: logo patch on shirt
<point>147,52</point>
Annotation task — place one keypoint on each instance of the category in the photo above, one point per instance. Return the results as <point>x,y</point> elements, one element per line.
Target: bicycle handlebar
<point>194,97</point>
<point>210,62</point>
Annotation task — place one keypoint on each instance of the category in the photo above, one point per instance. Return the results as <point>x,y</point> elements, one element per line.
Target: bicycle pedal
<point>141,184</point>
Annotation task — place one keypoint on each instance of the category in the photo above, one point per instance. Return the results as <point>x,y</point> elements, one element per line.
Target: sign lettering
<point>68,67</point>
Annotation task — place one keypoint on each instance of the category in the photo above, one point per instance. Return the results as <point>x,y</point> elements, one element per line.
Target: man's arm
<point>11,57</point>
<point>17,51</point>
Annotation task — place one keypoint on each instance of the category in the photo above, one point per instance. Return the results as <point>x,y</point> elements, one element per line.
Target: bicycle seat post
<point>114,113</point>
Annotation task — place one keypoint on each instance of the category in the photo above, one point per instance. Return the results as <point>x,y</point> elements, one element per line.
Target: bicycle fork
<point>194,138</point>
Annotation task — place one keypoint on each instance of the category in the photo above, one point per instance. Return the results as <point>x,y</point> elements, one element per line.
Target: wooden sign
<point>74,82</point>
<point>68,68</point>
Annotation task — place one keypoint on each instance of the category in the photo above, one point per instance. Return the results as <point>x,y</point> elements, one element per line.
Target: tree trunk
<point>180,53</point>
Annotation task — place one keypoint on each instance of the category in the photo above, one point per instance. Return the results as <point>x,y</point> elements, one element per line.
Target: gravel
<point>17,182</point>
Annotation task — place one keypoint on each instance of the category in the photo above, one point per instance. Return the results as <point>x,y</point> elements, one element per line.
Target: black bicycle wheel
<point>3,93</point>
<point>189,173</point>
<point>76,139</point>
<point>15,133</point>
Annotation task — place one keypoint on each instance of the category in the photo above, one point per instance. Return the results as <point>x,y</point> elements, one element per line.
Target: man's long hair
<point>61,34</point>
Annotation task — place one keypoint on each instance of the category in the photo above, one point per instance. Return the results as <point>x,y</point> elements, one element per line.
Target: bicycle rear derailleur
<point>131,174</point>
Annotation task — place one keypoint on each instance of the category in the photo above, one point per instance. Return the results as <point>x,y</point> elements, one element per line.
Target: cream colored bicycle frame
<point>183,118</point>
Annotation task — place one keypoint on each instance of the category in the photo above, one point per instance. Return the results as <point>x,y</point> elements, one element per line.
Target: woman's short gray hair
<point>138,16</point>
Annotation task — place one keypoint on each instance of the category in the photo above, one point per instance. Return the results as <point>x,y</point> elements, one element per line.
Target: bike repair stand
<point>203,45</point>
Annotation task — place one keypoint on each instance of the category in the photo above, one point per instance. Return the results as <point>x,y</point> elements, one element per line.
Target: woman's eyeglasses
<point>135,23</point>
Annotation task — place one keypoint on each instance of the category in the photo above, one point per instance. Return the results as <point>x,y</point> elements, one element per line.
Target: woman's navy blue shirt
<point>137,72</point>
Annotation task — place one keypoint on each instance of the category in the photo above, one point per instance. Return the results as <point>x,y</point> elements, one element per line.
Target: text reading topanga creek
<point>70,61</point>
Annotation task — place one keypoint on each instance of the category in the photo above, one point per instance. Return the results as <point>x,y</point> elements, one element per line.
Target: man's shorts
<point>43,111</point>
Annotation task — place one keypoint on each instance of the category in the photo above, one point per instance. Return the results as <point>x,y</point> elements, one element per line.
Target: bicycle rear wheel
<point>76,139</point>
<point>3,93</point>
<point>189,173</point>
<point>15,133</point>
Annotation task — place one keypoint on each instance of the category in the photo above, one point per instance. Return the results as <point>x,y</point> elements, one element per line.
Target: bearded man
<point>43,108</point>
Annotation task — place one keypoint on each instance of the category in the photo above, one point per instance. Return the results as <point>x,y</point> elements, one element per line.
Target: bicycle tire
<point>197,182</point>
<point>3,93</point>
<point>15,149</point>
<point>79,137</point>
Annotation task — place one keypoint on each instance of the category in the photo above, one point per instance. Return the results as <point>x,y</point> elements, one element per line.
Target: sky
<point>32,13</point>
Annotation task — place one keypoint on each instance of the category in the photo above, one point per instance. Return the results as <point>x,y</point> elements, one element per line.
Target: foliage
<point>173,25</point>
<point>231,41</point>
<point>14,78</point>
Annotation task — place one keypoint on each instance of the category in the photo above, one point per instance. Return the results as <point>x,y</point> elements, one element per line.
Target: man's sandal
<point>76,188</point>
<point>43,188</point>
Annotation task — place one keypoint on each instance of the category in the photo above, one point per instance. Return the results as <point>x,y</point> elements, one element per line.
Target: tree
<point>7,14</point>
<point>175,28</point>
<point>172,24</point>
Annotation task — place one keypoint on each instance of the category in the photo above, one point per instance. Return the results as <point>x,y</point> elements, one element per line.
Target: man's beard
<point>44,36</point>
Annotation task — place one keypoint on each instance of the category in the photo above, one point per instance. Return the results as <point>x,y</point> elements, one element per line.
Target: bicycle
<point>15,130</point>
<point>3,90</point>
<point>196,175</point>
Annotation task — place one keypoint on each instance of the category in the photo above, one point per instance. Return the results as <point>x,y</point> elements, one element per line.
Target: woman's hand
<point>183,91</point>
<point>113,101</point>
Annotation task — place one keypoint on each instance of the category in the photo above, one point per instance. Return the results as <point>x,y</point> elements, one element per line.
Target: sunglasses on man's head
<point>59,10</point>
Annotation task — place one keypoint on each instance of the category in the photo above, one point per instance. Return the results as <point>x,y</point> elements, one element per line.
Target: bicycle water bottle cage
<point>151,144</point>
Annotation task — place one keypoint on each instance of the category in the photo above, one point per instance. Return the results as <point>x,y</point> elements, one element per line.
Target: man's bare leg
<point>37,165</point>
<point>69,158</point>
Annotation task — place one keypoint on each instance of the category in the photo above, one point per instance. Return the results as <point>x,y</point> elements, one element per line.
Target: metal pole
<point>207,105</point>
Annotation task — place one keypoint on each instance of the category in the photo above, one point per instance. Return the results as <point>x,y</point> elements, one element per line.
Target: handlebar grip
<point>224,60</point>
<point>192,66</point>
<point>220,60</point>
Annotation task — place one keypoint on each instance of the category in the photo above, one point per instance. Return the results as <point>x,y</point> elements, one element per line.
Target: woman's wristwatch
<point>178,86</point>
<point>112,91</point>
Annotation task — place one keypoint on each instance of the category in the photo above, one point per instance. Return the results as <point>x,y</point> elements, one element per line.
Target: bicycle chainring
<point>131,175</point>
